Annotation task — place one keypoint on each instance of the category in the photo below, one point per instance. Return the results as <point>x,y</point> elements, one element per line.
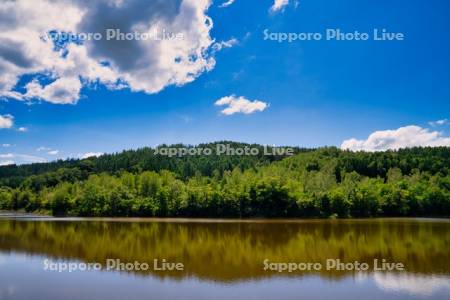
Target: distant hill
<point>135,161</point>
<point>324,182</point>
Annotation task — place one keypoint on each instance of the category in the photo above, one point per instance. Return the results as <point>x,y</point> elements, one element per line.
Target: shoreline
<point>5,215</point>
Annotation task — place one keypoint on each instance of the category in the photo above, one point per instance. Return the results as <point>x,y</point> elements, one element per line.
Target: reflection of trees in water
<point>234,250</point>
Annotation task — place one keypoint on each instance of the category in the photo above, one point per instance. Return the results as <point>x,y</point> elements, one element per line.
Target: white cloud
<point>438,122</point>
<point>53,152</point>
<point>22,129</point>
<point>142,65</point>
<point>403,137</point>
<point>227,3</point>
<point>240,105</point>
<point>62,91</point>
<point>6,162</point>
<point>91,154</point>
<point>42,148</point>
<point>278,5</point>
<point>224,44</point>
<point>25,158</point>
<point>6,145</point>
<point>6,121</point>
<point>49,151</point>
<point>21,158</point>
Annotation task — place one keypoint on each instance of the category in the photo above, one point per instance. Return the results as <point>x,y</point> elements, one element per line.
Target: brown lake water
<point>224,259</point>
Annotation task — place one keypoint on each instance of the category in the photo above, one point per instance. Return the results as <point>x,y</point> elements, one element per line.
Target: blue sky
<point>315,93</point>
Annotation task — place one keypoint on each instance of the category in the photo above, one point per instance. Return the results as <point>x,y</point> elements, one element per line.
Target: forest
<point>313,183</point>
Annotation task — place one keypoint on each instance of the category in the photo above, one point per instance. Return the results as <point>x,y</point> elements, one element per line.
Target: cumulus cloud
<point>224,44</point>
<point>22,129</point>
<point>6,121</point>
<point>240,105</point>
<point>91,154</point>
<point>438,122</point>
<point>227,3</point>
<point>62,91</point>
<point>403,137</point>
<point>278,5</point>
<point>148,65</point>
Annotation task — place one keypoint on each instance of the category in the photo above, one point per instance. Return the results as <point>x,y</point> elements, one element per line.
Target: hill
<point>325,182</point>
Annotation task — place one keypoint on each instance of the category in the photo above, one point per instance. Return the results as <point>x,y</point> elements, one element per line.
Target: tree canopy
<point>324,182</point>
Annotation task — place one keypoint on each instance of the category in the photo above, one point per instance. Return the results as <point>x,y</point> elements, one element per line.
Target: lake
<point>75,258</point>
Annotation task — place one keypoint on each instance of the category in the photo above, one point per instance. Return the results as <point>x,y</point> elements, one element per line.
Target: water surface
<point>223,259</point>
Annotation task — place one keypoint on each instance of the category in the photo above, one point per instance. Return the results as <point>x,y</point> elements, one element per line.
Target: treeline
<point>325,182</point>
<point>39,175</point>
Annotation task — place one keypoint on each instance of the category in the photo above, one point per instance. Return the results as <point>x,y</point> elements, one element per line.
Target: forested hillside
<point>39,175</point>
<point>325,182</point>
